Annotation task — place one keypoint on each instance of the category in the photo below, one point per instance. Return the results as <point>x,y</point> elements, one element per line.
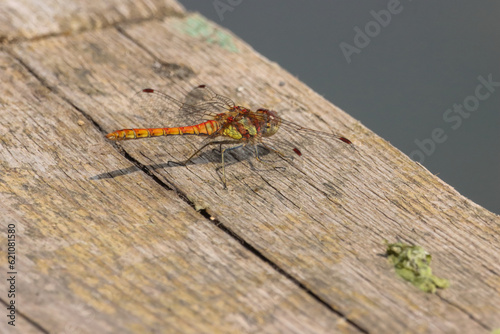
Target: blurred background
<point>403,68</point>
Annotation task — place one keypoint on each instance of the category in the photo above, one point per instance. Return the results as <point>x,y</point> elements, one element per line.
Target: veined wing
<point>157,109</point>
<point>291,126</point>
<point>293,139</point>
<point>204,97</point>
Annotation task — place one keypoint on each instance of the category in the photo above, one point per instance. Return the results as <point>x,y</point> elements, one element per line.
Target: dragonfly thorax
<point>246,125</point>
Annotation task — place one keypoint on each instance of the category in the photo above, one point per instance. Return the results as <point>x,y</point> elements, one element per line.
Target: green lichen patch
<point>412,263</point>
<point>197,26</point>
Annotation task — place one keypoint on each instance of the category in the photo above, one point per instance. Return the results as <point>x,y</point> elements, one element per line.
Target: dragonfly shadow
<point>115,173</point>
<point>209,156</point>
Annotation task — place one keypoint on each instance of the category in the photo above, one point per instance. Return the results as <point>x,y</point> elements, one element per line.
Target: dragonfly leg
<point>272,150</point>
<point>220,142</point>
<point>259,159</point>
<point>224,165</point>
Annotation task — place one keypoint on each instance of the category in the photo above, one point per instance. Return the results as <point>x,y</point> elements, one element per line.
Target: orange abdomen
<point>203,129</point>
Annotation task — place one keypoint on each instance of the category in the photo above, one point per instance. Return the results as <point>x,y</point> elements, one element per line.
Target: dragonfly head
<point>273,122</point>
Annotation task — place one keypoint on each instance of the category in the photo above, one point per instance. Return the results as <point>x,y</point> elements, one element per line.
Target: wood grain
<point>322,219</point>
<point>121,253</point>
<point>29,19</point>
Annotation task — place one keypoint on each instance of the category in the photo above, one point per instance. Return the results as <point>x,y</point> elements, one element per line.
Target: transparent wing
<point>205,98</point>
<point>294,140</point>
<point>156,109</point>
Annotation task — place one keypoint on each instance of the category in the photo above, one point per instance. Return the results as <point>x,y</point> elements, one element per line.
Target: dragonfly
<point>222,122</point>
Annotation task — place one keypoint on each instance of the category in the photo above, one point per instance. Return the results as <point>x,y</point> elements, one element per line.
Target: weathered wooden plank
<point>323,220</point>
<point>22,324</point>
<point>27,19</point>
<point>120,254</point>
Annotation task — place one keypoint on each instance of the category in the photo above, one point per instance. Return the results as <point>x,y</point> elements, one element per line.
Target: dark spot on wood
<point>172,70</point>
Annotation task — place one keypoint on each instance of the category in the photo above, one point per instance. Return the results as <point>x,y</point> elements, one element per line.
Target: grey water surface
<point>423,75</point>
